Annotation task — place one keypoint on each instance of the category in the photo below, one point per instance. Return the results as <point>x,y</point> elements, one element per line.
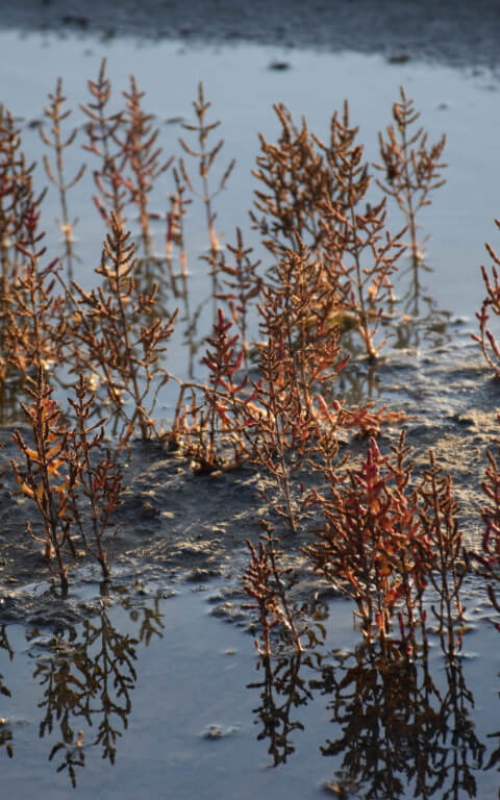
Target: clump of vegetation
<point>85,367</point>
<point>385,540</point>
<point>66,481</point>
<point>117,337</point>
<point>386,535</point>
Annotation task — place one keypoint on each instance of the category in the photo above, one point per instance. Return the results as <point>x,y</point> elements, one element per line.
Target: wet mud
<point>456,33</point>
<point>175,525</point>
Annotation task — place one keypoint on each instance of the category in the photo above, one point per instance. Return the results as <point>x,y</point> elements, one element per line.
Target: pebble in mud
<point>230,612</point>
<point>148,511</point>
<point>279,66</point>
<point>340,790</point>
<point>200,575</point>
<point>215,731</point>
<point>399,58</point>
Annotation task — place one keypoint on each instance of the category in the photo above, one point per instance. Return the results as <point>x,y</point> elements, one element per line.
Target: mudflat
<point>457,33</point>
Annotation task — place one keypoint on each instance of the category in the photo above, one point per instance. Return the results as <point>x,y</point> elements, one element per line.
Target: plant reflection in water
<point>401,732</point>
<point>404,727</point>
<point>284,686</point>
<point>6,735</point>
<point>420,323</point>
<point>87,675</point>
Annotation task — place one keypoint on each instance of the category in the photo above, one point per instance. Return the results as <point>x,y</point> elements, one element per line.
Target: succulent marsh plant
<point>488,557</point>
<point>73,480</point>
<point>360,248</point>
<point>206,157</point>
<point>412,167</point>
<point>491,305</point>
<point>298,354</point>
<point>293,183</point>
<point>313,193</point>
<point>268,584</point>
<point>213,428</point>
<point>244,284</point>
<point>49,478</point>
<point>59,142</point>
<point>102,129</point>
<point>116,335</point>
<point>385,541</point>
<point>100,480</point>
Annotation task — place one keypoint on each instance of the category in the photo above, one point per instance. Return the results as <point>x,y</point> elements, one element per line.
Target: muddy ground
<point>177,525</point>
<point>456,32</point>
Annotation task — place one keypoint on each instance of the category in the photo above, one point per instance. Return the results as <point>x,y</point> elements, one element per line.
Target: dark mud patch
<point>449,32</point>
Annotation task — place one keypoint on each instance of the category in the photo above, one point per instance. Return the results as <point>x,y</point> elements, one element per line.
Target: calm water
<point>166,700</point>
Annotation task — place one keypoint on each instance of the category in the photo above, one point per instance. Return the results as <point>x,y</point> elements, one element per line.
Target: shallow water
<point>166,700</point>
